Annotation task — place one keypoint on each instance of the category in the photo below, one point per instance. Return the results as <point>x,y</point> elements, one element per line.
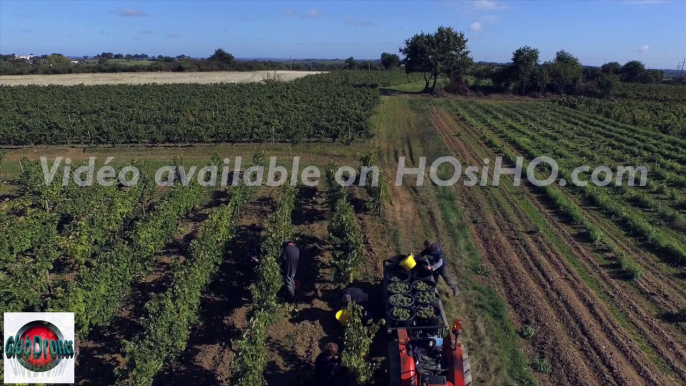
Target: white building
<point>28,57</point>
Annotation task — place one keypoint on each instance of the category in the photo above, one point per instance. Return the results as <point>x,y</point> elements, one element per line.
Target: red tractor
<point>425,351</point>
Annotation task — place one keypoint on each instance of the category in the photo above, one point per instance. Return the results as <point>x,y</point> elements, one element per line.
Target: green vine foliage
<point>172,313</point>
<point>95,296</point>
<point>334,107</point>
<point>333,190</point>
<point>358,338</point>
<point>77,224</point>
<point>251,349</point>
<point>377,194</point>
<point>346,240</point>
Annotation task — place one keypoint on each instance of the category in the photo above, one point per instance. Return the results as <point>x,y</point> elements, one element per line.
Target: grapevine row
<point>667,170</point>
<point>356,343</point>
<point>346,241</point>
<point>635,195</point>
<point>89,217</point>
<point>251,350</point>
<point>632,221</point>
<point>172,314</point>
<point>95,296</point>
<point>668,118</point>
<point>332,107</point>
<point>556,197</point>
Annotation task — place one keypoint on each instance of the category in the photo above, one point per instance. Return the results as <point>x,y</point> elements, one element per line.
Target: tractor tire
<point>394,363</point>
<point>467,368</point>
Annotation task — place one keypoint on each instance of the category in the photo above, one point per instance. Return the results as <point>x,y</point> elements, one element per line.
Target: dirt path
<point>308,324</point>
<point>576,332</point>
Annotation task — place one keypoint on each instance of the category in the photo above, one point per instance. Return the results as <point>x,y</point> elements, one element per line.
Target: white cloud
<point>289,12</point>
<point>471,7</point>
<point>313,13</point>
<point>488,5</point>
<point>476,26</point>
<point>172,36</point>
<point>644,48</point>
<point>129,12</point>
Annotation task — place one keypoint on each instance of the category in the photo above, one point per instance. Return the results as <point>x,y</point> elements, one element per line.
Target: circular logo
<point>40,335</point>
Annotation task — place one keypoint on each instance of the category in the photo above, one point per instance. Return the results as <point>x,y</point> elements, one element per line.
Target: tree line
<point>220,60</point>
<point>444,53</point>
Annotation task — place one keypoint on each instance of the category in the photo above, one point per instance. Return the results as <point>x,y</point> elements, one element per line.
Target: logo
<point>39,347</point>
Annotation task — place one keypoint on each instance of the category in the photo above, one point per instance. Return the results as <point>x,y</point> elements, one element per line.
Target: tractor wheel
<point>467,368</point>
<point>394,363</point>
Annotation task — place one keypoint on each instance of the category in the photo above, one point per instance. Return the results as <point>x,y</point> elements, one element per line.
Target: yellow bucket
<point>342,316</point>
<point>408,263</point>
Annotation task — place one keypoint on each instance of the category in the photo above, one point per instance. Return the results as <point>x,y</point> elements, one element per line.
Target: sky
<point>596,31</point>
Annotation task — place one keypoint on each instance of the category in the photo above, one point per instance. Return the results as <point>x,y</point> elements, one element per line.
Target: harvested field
<point>151,77</point>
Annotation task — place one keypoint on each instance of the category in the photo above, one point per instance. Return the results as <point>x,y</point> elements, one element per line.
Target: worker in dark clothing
<point>437,264</point>
<point>356,295</point>
<point>360,298</point>
<point>289,264</point>
<point>327,366</point>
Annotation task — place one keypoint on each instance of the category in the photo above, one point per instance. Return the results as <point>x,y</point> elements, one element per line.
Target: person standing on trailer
<point>437,265</point>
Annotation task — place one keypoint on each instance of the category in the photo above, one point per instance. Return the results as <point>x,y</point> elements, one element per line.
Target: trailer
<point>425,351</point>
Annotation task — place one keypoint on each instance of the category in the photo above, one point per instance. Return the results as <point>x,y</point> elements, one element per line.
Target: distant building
<point>29,57</point>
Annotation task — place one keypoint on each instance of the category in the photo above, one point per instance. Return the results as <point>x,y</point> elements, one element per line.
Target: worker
<point>437,265</point>
<point>289,264</point>
<point>356,295</point>
<point>352,294</point>
<point>327,366</point>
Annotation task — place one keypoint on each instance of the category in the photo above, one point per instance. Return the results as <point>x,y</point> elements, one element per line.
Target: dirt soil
<point>151,77</point>
<point>575,330</point>
<point>224,307</point>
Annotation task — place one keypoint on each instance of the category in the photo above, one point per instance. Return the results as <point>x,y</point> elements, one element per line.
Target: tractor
<point>424,350</point>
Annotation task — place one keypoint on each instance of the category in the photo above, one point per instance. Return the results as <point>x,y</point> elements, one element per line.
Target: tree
<point>444,52</point>
<point>418,56</point>
<point>107,55</point>
<point>607,84</point>
<point>350,63</point>
<point>366,65</point>
<point>633,71</point>
<point>611,68</point>
<point>566,72</point>
<point>653,76</point>
<point>119,56</point>
<point>524,62</point>
<point>58,59</point>
<point>390,60</point>
<point>223,58</point>
<point>102,60</point>
<point>591,74</point>
<point>541,75</point>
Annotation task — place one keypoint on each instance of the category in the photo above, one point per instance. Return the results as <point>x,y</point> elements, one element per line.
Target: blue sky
<point>596,31</point>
